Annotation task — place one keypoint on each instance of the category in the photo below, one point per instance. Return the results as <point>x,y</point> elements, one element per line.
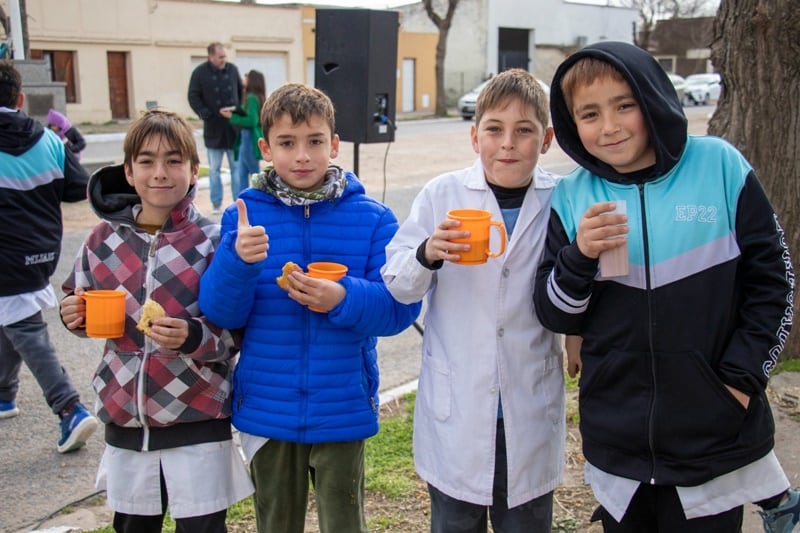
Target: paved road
<point>37,481</point>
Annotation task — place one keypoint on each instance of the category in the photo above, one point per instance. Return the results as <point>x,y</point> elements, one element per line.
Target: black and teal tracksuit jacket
<point>36,175</point>
<point>707,302</point>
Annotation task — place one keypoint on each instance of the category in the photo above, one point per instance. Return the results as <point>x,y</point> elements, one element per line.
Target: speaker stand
<point>355,160</point>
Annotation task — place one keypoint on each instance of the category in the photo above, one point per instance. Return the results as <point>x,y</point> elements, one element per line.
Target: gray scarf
<point>332,187</point>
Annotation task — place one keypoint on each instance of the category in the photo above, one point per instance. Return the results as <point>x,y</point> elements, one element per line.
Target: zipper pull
<point>152,252</point>
<point>307,211</point>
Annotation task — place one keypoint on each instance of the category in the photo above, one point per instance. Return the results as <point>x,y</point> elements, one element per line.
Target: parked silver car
<point>702,89</point>
<point>680,85</point>
<point>466,104</point>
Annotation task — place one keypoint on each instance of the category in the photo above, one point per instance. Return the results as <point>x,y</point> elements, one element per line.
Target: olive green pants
<point>281,471</point>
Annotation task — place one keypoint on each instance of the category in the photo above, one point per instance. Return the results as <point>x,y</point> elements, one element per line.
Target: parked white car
<point>702,89</point>
<point>466,104</point>
<point>680,86</point>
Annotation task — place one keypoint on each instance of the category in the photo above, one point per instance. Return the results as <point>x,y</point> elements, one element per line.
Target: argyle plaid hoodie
<point>138,383</point>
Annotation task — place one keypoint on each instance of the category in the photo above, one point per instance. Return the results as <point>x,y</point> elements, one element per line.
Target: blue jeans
<point>214,176</point>
<point>247,163</point>
<point>449,515</point>
<point>27,340</point>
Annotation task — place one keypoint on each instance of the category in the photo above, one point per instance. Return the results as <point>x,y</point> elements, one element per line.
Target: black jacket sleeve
<point>76,141</point>
<point>766,283</point>
<point>196,101</point>
<point>75,179</point>
<point>564,281</point>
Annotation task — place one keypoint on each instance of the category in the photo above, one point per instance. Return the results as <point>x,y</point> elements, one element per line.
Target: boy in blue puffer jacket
<point>305,386</point>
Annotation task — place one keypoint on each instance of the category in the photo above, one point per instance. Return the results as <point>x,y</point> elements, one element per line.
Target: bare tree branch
<point>651,11</point>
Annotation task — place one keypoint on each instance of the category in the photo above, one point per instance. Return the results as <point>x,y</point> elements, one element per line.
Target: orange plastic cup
<point>105,314</point>
<point>326,270</point>
<point>479,224</point>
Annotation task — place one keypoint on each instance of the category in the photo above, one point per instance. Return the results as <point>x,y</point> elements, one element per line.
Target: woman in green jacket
<point>246,120</point>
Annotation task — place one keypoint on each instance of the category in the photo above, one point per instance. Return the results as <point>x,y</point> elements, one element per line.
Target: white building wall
<point>472,48</point>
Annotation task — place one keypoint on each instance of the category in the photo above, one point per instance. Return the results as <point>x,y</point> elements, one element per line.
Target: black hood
<point>653,90</point>
<point>18,132</point>
<point>112,198</point>
<point>110,194</point>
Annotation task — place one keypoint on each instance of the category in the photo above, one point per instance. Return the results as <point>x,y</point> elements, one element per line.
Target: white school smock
<point>482,341</point>
<point>754,482</point>
<point>201,479</point>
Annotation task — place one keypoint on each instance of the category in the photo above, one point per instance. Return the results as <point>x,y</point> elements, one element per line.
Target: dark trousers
<point>28,341</point>
<point>133,523</point>
<point>281,473</point>
<point>449,515</point>
<point>657,509</point>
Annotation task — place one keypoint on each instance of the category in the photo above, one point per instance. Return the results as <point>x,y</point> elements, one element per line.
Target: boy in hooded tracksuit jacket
<point>677,430</point>
<point>36,175</point>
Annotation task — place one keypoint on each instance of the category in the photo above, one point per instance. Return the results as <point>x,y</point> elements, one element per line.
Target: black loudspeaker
<point>355,65</point>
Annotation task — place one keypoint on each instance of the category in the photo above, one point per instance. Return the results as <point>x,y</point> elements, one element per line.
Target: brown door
<point>118,85</point>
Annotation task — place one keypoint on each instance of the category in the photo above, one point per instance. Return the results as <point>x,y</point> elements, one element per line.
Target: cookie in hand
<point>150,311</point>
<point>283,279</point>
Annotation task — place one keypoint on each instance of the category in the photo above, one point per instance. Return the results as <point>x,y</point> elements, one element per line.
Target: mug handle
<point>82,297</point>
<point>502,229</point>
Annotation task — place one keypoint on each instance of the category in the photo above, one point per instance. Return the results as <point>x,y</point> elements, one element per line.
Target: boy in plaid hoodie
<point>164,397</point>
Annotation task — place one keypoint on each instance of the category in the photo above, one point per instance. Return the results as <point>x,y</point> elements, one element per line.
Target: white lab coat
<point>482,340</point>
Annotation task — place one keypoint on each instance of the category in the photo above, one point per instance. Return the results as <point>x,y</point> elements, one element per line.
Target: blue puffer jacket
<point>303,376</point>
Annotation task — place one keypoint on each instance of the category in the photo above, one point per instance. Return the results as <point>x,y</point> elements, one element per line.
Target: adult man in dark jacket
<point>216,85</point>
<point>36,175</point>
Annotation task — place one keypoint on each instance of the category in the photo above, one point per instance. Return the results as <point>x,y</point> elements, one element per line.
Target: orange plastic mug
<point>479,224</point>
<point>326,270</point>
<point>105,314</point>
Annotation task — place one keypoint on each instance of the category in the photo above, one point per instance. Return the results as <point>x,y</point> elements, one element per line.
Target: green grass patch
<point>389,459</point>
<point>787,365</point>
<point>242,509</point>
<point>571,383</point>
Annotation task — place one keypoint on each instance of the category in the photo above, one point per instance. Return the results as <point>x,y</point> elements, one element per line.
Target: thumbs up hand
<point>252,242</point>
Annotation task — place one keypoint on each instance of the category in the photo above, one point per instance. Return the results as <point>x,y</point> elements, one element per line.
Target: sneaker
<point>784,517</point>
<point>76,428</point>
<point>8,409</point>
<point>216,210</point>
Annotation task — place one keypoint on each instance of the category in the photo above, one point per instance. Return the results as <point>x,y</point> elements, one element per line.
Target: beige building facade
<point>119,57</point>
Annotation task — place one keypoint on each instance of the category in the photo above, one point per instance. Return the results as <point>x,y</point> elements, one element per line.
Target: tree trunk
<point>443,24</point>
<point>441,93</point>
<point>756,49</point>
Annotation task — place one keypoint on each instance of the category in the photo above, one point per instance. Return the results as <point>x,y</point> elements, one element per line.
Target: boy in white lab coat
<point>489,424</point>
